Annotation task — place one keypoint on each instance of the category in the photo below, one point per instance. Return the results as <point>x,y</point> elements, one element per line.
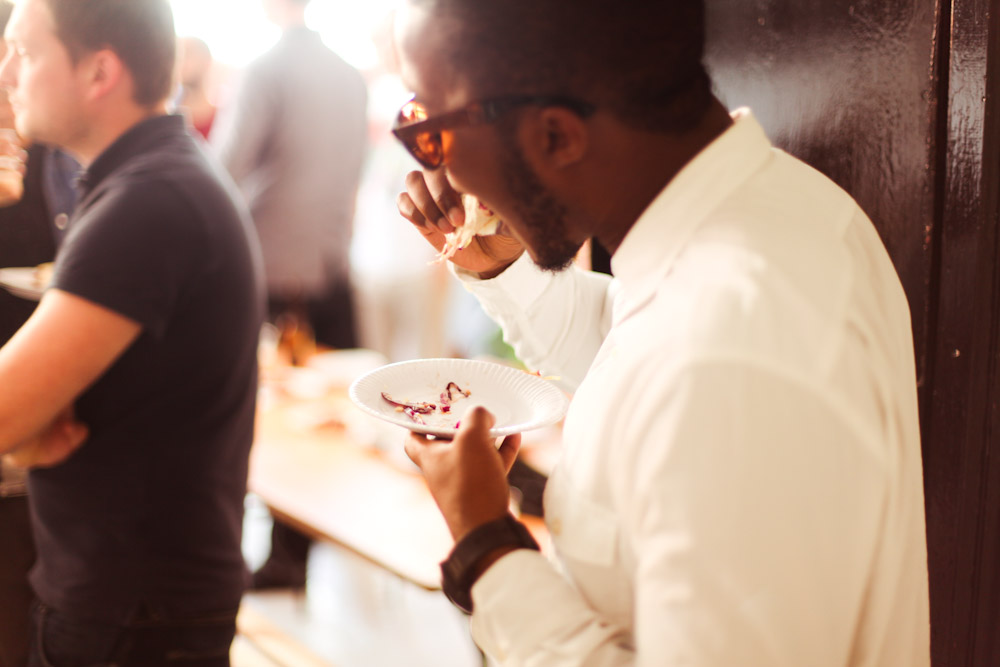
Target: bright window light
<point>237,31</point>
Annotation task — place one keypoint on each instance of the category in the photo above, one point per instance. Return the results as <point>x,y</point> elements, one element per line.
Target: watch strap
<point>458,572</point>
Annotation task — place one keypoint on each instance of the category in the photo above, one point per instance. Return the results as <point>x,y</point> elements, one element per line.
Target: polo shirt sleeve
<point>132,251</point>
<point>555,322</point>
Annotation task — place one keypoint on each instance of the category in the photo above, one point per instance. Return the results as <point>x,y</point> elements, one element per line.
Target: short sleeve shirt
<point>149,510</point>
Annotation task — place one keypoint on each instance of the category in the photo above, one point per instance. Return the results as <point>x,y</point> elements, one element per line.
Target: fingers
<point>430,200</point>
<point>12,163</point>
<point>74,434</point>
<point>446,197</point>
<point>12,168</point>
<point>423,201</point>
<point>51,448</point>
<point>11,145</point>
<point>508,450</point>
<point>409,210</point>
<point>66,437</point>
<point>12,153</point>
<point>11,188</point>
<point>414,447</point>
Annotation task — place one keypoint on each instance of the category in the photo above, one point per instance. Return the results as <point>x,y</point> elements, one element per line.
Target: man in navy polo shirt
<point>130,391</point>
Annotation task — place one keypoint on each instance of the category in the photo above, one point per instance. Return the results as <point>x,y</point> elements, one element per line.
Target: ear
<point>559,138</point>
<point>102,72</point>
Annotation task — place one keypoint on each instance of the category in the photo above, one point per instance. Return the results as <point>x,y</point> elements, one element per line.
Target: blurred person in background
<point>194,65</point>
<point>294,141</point>
<point>740,474</point>
<point>36,197</point>
<point>129,393</point>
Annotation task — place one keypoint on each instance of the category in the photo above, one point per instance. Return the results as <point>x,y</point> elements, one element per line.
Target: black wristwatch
<point>458,572</point>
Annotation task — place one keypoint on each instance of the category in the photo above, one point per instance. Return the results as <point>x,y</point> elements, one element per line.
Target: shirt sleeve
<point>555,322</point>
<point>733,524</point>
<point>134,251</point>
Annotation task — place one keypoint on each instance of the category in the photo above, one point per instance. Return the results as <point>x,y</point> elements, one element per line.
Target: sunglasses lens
<point>427,149</point>
<point>425,146</point>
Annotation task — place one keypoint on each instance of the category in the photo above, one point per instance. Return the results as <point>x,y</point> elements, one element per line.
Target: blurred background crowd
<point>297,99</point>
<point>401,302</point>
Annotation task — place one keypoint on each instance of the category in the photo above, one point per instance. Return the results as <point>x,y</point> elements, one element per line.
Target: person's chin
<point>554,263</point>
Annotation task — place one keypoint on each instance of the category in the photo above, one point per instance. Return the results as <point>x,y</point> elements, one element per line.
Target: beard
<point>542,216</point>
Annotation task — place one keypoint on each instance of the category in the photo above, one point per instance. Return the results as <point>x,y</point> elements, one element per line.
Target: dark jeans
<point>61,640</point>
<point>15,593</point>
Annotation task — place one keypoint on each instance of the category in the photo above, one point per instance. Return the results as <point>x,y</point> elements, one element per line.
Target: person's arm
<point>66,345</point>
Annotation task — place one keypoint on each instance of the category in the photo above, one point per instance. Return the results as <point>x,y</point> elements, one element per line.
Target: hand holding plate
<point>468,475</point>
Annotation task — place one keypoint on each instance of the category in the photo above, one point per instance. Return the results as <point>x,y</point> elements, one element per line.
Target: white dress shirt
<point>741,477</point>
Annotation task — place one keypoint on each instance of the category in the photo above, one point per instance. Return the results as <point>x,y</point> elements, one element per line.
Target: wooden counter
<point>328,482</point>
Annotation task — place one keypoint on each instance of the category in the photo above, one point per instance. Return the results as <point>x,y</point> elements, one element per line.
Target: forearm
<point>60,351</point>
<point>27,407</point>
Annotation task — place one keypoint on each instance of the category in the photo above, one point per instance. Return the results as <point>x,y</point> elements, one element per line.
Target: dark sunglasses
<point>423,137</point>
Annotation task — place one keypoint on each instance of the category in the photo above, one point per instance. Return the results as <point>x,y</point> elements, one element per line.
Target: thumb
<point>477,421</point>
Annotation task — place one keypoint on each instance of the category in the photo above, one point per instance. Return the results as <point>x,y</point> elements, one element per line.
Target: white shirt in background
<point>741,482</point>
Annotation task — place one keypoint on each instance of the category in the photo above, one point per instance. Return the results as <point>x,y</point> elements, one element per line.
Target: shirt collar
<point>687,200</point>
<point>135,141</point>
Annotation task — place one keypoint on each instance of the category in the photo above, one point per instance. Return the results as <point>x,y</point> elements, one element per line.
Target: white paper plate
<point>21,281</point>
<point>519,401</point>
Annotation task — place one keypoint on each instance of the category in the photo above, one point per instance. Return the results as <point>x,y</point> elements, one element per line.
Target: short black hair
<point>140,32</point>
<point>639,59</point>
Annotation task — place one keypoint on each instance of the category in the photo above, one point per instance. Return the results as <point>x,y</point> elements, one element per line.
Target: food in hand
<point>479,221</point>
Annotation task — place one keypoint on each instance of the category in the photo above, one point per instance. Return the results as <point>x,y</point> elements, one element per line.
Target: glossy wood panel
<point>961,462</point>
<point>850,88</point>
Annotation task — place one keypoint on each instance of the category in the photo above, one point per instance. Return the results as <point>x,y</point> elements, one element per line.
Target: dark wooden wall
<point>895,100</point>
